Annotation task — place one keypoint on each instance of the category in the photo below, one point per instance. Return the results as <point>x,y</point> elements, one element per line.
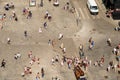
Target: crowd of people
<point>71,62</point>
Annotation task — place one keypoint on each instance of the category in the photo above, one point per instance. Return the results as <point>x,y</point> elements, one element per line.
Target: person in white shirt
<point>8,40</point>
<point>60,36</point>
<point>108,68</point>
<point>64,50</point>
<point>40,30</point>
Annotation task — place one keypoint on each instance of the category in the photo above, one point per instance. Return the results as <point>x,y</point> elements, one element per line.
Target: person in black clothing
<point>45,25</point>
<point>42,72</point>
<point>16,19</point>
<point>29,14</point>
<point>25,33</point>
<point>7,7</point>
<point>3,63</point>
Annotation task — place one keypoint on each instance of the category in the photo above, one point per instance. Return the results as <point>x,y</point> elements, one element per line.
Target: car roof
<point>92,2</point>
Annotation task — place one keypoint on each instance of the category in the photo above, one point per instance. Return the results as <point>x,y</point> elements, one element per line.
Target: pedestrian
<point>42,72</point>
<point>60,36</point>
<point>25,33</point>
<point>57,58</point>
<point>114,51</point>
<point>64,59</point>
<point>3,63</point>
<point>81,54</point>
<point>24,11</point>
<point>53,61</point>
<point>49,42</point>
<point>15,57</point>
<point>45,25</point>
<point>46,13</point>
<point>92,43</point>
<point>64,50</point>
<point>22,74</point>
<point>13,14</point>
<point>109,42</point>
<point>38,61</point>
<point>86,66</point>
<point>115,67</point>
<point>8,41</point>
<point>4,16</point>
<point>90,47</point>
<point>38,76</point>
<point>111,63</point>
<point>31,62</point>
<point>16,19</point>
<point>49,17</point>
<point>100,63</point>
<point>7,7</point>
<point>62,63</point>
<point>12,5</point>
<point>41,3</point>
<point>102,59</point>
<point>81,47</point>
<point>117,52</point>
<point>90,62</point>
<point>69,62</point>
<point>40,30</point>
<point>18,55</point>
<point>29,15</point>
<point>30,54</point>
<point>90,40</point>
<point>96,63</point>
<point>53,42</point>
<point>108,68</point>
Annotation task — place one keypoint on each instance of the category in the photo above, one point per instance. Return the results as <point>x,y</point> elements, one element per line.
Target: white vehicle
<point>92,6</point>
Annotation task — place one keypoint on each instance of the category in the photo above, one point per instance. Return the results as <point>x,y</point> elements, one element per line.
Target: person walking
<point>60,36</point>
<point>90,47</point>
<point>29,15</point>
<point>30,54</point>
<point>42,72</point>
<point>108,68</point>
<point>3,63</point>
<point>53,61</point>
<point>40,30</point>
<point>90,40</point>
<point>93,43</point>
<point>81,47</point>
<point>8,40</point>
<point>114,51</point>
<point>16,19</point>
<point>49,42</point>
<point>109,42</point>
<point>38,76</point>
<point>64,50</point>
<point>115,67</point>
<point>45,25</point>
<point>25,33</point>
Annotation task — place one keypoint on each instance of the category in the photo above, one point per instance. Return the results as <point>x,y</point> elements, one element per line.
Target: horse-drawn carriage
<point>79,73</point>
